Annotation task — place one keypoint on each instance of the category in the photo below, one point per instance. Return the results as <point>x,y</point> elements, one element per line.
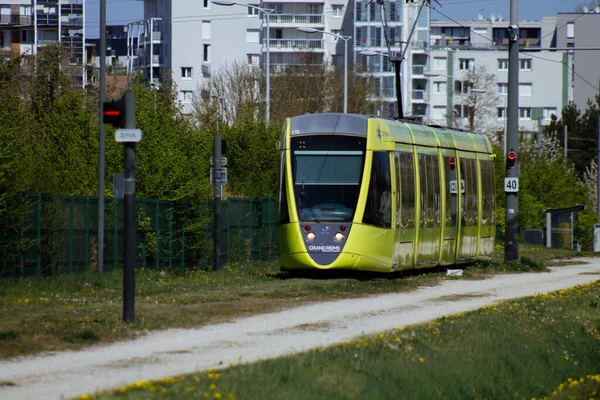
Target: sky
<point>120,12</point>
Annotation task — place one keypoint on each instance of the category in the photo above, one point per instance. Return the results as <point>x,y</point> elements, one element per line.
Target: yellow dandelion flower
<point>217,395</point>
<point>421,359</point>
<point>84,397</point>
<point>212,386</point>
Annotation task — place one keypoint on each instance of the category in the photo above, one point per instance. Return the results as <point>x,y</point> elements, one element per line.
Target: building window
<point>439,87</point>
<point>253,59</point>
<point>186,96</point>
<point>525,89</point>
<point>206,53</point>
<point>186,72</point>
<point>501,112</point>
<point>252,35</point>
<point>337,10</point>
<point>525,64</point>
<point>503,64</point>
<point>206,4</point>
<point>502,88</point>
<point>253,12</point>
<point>548,112</point>
<point>205,29</point>
<point>524,113</point>
<point>570,30</point>
<point>439,63</point>
<point>466,63</point>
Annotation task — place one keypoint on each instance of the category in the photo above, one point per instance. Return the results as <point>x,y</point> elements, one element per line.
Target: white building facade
<point>457,48</point>
<point>193,40</point>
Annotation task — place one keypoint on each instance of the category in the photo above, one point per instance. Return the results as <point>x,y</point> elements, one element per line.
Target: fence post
<point>71,228</point>
<point>87,234</point>
<point>171,234</point>
<point>39,235</point>
<point>156,231</point>
<point>143,232</point>
<point>115,204</point>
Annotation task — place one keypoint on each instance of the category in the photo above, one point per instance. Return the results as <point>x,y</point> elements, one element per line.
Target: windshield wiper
<point>304,201</point>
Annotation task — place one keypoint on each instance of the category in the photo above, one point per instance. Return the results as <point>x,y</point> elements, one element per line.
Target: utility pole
<point>101,134</point>
<point>511,181</point>
<point>129,225</point>
<point>397,59</point>
<point>565,132</point>
<point>539,136</point>
<point>598,171</point>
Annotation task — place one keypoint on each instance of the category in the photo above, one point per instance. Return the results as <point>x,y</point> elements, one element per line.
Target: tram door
<point>429,199</point>
<point>453,187</point>
<point>405,209</point>
<point>468,223</point>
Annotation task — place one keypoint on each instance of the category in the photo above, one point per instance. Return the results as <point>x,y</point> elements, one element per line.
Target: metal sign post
<point>129,137</point>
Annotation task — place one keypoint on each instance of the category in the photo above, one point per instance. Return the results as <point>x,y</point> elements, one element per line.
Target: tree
<point>233,102</point>
<point>480,108</point>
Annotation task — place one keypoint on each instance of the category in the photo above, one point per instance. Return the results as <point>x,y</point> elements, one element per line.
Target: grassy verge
<point>546,346</point>
<point>75,311</point>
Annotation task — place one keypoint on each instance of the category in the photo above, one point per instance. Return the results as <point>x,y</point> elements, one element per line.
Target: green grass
<point>544,346</point>
<point>75,311</point>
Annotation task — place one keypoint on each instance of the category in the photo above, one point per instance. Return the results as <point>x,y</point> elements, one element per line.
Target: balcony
<point>418,69</point>
<point>157,60</point>
<point>295,44</point>
<point>283,20</point>
<point>419,95</point>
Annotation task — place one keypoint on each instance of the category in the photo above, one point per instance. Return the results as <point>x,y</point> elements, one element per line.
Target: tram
<point>360,192</point>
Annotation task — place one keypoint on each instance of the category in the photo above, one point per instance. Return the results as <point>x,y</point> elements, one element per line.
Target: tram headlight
<point>338,237</point>
<point>310,236</point>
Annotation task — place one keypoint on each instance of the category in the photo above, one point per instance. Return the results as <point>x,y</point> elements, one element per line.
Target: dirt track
<point>172,352</point>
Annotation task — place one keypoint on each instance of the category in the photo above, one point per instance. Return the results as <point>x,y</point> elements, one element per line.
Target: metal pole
<point>397,64</point>
<point>598,171</point>
<point>268,96</point>
<point>461,104</point>
<point>217,182</point>
<point>101,135</point>
<point>511,245</point>
<point>129,226</point>
<point>539,137</point>
<point>505,98</point>
<point>565,130</point>
<point>345,76</point>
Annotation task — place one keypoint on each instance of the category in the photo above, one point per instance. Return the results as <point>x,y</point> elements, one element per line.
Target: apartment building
<point>461,46</point>
<point>26,25</point>
<point>580,31</point>
<point>192,40</point>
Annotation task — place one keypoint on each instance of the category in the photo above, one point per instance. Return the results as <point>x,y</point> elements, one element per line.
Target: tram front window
<point>326,184</point>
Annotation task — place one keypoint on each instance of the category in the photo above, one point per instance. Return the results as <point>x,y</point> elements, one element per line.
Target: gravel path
<point>172,352</point>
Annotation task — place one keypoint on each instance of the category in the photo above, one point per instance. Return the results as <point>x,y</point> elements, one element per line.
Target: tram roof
<point>400,131</point>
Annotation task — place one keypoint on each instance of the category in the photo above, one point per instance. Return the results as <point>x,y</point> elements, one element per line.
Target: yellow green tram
<point>367,193</point>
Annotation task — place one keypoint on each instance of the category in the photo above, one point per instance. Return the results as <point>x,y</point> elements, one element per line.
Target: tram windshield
<point>327,181</point>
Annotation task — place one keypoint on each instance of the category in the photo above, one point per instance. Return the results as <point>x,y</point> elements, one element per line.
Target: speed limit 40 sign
<point>511,184</point>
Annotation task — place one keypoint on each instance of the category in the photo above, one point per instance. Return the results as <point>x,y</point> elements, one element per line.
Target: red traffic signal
<point>113,113</point>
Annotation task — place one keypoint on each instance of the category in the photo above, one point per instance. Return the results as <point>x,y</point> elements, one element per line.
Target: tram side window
<point>451,191</point>
<point>430,191</point>
<point>488,192</point>
<point>378,210</point>
<point>407,187</point>
<point>468,174</point>
<point>284,215</point>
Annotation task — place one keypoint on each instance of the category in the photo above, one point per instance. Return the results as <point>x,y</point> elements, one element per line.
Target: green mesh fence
<point>59,234</point>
